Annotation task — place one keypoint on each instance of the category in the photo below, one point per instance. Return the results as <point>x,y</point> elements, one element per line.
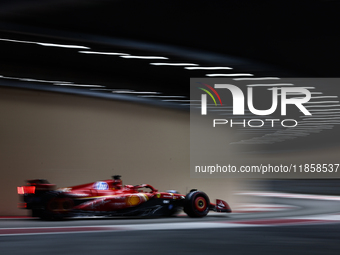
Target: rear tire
<point>57,207</point>
<point>196,204</point>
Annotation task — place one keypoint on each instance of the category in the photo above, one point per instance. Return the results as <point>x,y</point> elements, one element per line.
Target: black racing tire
<point>197,204</point>
<point>56,207</point>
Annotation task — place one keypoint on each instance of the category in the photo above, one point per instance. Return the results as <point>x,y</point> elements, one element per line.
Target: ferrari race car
<point>111,198</point>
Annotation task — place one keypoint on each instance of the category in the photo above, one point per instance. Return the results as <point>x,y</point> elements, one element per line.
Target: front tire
<point>196,204</point>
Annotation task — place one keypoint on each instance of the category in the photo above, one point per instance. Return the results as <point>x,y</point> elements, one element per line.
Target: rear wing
<point>35,185</point>
<point>37,181</point>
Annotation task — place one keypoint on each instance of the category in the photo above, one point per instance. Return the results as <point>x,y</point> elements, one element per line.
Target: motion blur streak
<point>231,74</point>
<point>324,110</point>
<point>178,100</point>
<point>298,223</point>
<point>47,44</point>
<point>293,93</point>
<point>164,96</point>
<point>256,79</point>
<point>77,85</point>
<point>144,57</point>
<point>322,118</point>
<point>104,53</point>
<point>326,97</point>
<point>310,106</point>
<point>207,68</point>
<point>264,85</point>
<point>173,64</point>
<point>278,240</point>
<point>135,92</point>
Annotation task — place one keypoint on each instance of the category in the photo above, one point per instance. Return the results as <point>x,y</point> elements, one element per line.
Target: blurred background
<point>95,88</point>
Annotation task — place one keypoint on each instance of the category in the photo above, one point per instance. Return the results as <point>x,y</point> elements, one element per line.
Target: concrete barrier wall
<point>71,140</point>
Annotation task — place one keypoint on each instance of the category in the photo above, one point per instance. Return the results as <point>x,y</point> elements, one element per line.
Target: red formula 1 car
<point>111,198</point>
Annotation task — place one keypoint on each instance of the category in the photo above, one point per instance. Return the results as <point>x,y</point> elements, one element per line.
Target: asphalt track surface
<point>312,227</point>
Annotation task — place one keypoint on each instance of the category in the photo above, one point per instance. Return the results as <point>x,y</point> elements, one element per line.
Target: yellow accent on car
<point>133,200</point>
